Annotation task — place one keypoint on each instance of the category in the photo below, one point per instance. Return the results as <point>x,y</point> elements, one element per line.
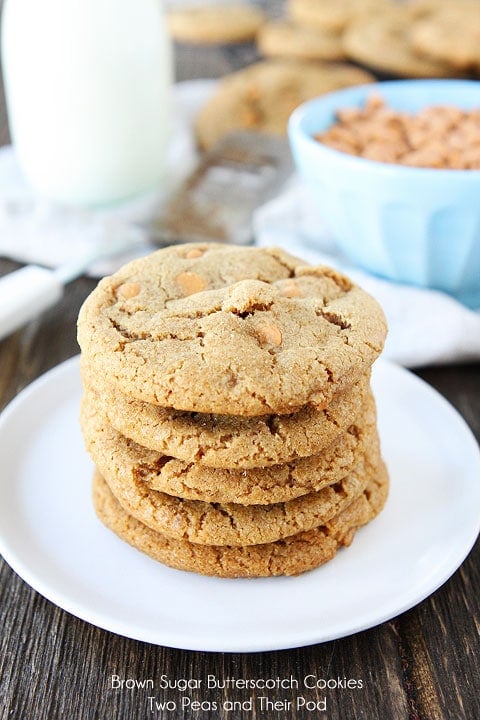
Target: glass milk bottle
<point>87,85</point>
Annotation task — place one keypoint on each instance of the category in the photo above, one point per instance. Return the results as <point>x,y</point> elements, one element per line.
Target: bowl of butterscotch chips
<point>394,169</point>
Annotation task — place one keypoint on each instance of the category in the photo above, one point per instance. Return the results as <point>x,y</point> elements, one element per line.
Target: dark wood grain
<point>422,665</point>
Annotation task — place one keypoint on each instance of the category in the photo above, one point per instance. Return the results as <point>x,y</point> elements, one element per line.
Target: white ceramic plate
<point>50,536</point>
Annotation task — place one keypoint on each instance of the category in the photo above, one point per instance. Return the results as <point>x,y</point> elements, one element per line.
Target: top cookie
<point>221,329</point>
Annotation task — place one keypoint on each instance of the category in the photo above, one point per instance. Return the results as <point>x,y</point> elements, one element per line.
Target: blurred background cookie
<point>451,34</point>
<point>285,39</point>
<point>383,42</point>
<point>215,24</point>
<point>327,15</point>
<point>262,96</point>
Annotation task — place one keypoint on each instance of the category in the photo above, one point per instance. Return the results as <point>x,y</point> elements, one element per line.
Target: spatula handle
<point>24,294</point>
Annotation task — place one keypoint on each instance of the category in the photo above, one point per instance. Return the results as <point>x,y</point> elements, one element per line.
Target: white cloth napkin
<point>425,326</point>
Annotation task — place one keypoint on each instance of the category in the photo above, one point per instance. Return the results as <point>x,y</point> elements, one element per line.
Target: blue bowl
<point>413,225</point>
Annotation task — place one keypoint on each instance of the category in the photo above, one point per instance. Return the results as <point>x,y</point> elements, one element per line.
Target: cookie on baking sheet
<point>291,556</point>
<point>132,464</point>
<point>451,35</point>
<point>215,24</point>
<point>283,39</point>
<point>383,42</point>
<point>213,328</point>
<point>328,15</point>
<point>262,96</point>
<point>226,441</point>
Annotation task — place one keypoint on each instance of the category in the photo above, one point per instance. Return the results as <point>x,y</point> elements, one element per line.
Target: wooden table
<point>422,665</point>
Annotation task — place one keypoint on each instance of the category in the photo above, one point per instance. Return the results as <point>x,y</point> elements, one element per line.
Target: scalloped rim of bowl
<point>355,96</point>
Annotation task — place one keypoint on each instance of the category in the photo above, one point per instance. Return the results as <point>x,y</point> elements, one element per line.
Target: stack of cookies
<point>228,410</point>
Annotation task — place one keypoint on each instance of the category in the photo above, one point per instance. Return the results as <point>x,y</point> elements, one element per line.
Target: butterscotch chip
<point>270,334</point>
<point>191,282</point>
<point>290,556</point>
<point>194,253</point>
<point>290,289</point>
<point>128,290</point>
<point>263,95</point>
<point>189,353</point>
<point>132,464</point>
<point>212,24</point>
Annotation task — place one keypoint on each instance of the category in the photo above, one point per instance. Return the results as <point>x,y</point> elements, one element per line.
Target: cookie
<point>451,35</point>
<point>327,15</point>
<point>231,523</point>
<point>214,24</point>
<point>283,39</point>
<point>291,556</point>
<point>226,441</point>
<point>132,464</point>
<point>383,42</point>
<point>262,96</point>
<point>213,328</point>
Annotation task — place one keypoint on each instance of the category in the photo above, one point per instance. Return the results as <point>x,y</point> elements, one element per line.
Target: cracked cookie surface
<point>132,464</point>
<point>238,331</point>
<point>291,556</point>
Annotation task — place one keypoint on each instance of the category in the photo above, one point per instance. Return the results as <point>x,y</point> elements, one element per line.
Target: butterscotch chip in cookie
<point>291,289</point>
<point>191,283</point>
<point>194,253</point>
<point>128,290</point>
<point>269,334</point>
<point>214,24</point>
<point>262,96</point>
<point>290,556</point>
<point>134,465</point>
<point>205,352</point>
<point>228,441</point>
<point>284,39</point>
